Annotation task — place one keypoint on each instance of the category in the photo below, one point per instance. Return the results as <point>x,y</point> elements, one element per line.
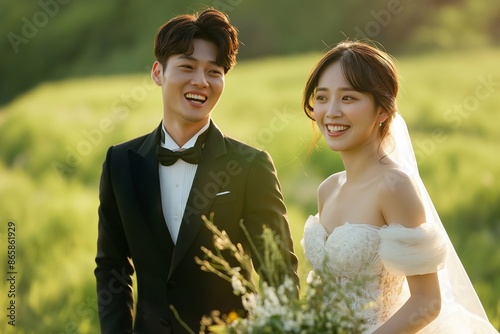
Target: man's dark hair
<point>177,35</point>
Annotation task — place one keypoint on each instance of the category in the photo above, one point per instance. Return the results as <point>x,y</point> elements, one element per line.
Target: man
<point>152,201</point>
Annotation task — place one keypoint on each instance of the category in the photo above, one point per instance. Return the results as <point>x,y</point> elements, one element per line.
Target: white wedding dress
<point>389,254</point>
<point>382,254</point>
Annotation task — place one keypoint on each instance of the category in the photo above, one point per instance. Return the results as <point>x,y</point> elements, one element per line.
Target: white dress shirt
<point>175,183</point>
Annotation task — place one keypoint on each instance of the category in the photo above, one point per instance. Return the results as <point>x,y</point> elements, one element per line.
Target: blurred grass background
<point>55,131</point>
<point>55,208</point>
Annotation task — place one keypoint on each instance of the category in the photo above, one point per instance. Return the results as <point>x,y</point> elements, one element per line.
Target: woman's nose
<point>334,110</point>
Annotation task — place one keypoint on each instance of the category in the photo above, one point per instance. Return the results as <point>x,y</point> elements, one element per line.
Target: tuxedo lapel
<point>144,166</point>
<point>202,193</point>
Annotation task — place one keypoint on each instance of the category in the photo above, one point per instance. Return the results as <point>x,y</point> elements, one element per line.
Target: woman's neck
<point>360,164</point>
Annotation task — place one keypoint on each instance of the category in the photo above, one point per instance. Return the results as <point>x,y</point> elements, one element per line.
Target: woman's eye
<point>320,98</point>
<point>216,72</point>
<point>347,98</point>
<point>189,67</point>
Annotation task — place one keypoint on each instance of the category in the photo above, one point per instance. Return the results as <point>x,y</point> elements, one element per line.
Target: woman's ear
<point>156,73</point>
<point>382,115</point>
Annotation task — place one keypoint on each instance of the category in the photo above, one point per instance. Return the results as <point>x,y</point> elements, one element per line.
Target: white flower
<point>249,302</point>
<point>238,287</point>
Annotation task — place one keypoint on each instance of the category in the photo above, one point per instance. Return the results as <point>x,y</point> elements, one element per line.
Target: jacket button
<point>170,284</point>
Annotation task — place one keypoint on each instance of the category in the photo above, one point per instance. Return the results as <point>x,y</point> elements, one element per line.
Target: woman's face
<point>348,119</point>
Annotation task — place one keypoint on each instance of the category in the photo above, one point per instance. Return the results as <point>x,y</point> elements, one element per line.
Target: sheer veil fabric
<point>461,309</point>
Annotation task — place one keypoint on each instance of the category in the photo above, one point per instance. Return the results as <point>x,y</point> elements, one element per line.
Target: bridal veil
<point>461,309</point>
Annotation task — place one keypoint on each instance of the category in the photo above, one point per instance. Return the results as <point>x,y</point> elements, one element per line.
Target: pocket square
<point>223,193</point>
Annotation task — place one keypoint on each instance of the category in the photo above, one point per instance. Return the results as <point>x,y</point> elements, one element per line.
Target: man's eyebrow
<point>188,57</point>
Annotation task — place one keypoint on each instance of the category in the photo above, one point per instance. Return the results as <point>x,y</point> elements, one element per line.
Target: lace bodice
<point>386,255</point>
<point>341,248</point>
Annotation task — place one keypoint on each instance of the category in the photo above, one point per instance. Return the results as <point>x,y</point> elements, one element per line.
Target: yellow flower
<point>232,316</point>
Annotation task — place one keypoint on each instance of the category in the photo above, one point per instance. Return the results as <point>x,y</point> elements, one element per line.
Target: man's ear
<point>157,73</point>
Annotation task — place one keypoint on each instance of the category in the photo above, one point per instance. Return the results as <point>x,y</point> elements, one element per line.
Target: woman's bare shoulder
<point>401,200</point>
<point>331,181</point>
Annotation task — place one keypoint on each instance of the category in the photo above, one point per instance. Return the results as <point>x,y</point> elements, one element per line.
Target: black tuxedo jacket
<point>234,181</point>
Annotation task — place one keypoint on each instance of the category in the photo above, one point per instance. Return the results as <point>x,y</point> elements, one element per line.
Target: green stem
<point>183,324</point>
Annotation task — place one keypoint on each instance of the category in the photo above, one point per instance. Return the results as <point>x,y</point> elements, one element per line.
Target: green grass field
<point>54,138</point>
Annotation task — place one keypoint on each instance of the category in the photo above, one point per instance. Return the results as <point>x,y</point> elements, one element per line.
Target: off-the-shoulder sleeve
<point>412,251</point>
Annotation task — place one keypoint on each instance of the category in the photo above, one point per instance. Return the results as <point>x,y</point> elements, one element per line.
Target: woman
<point>375,219</point>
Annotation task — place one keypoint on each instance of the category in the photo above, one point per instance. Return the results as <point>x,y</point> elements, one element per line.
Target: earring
<point>380,124</point>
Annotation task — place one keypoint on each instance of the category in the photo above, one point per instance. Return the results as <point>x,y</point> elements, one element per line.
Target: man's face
<point>191,86</point>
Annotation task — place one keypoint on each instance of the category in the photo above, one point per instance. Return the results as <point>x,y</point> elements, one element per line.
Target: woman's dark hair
<point>366,69</point>
<point>177,35</point>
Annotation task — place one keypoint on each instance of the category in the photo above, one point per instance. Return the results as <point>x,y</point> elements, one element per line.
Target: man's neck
<point>182,134</point>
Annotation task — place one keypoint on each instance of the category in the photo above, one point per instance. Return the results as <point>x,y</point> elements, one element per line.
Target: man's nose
<point>199,79</point>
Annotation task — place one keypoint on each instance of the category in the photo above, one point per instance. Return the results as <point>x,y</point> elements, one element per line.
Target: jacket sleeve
<point>264,205</point>
<point>114,269</point>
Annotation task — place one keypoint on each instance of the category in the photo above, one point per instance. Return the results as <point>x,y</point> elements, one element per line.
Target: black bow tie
<point>191,155</point>
<point>167,157</point>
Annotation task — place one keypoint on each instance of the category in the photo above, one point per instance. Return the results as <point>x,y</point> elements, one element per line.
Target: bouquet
<point>274,306</point>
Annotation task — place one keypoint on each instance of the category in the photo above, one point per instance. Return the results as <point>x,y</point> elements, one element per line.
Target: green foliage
<point>54,139</point>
